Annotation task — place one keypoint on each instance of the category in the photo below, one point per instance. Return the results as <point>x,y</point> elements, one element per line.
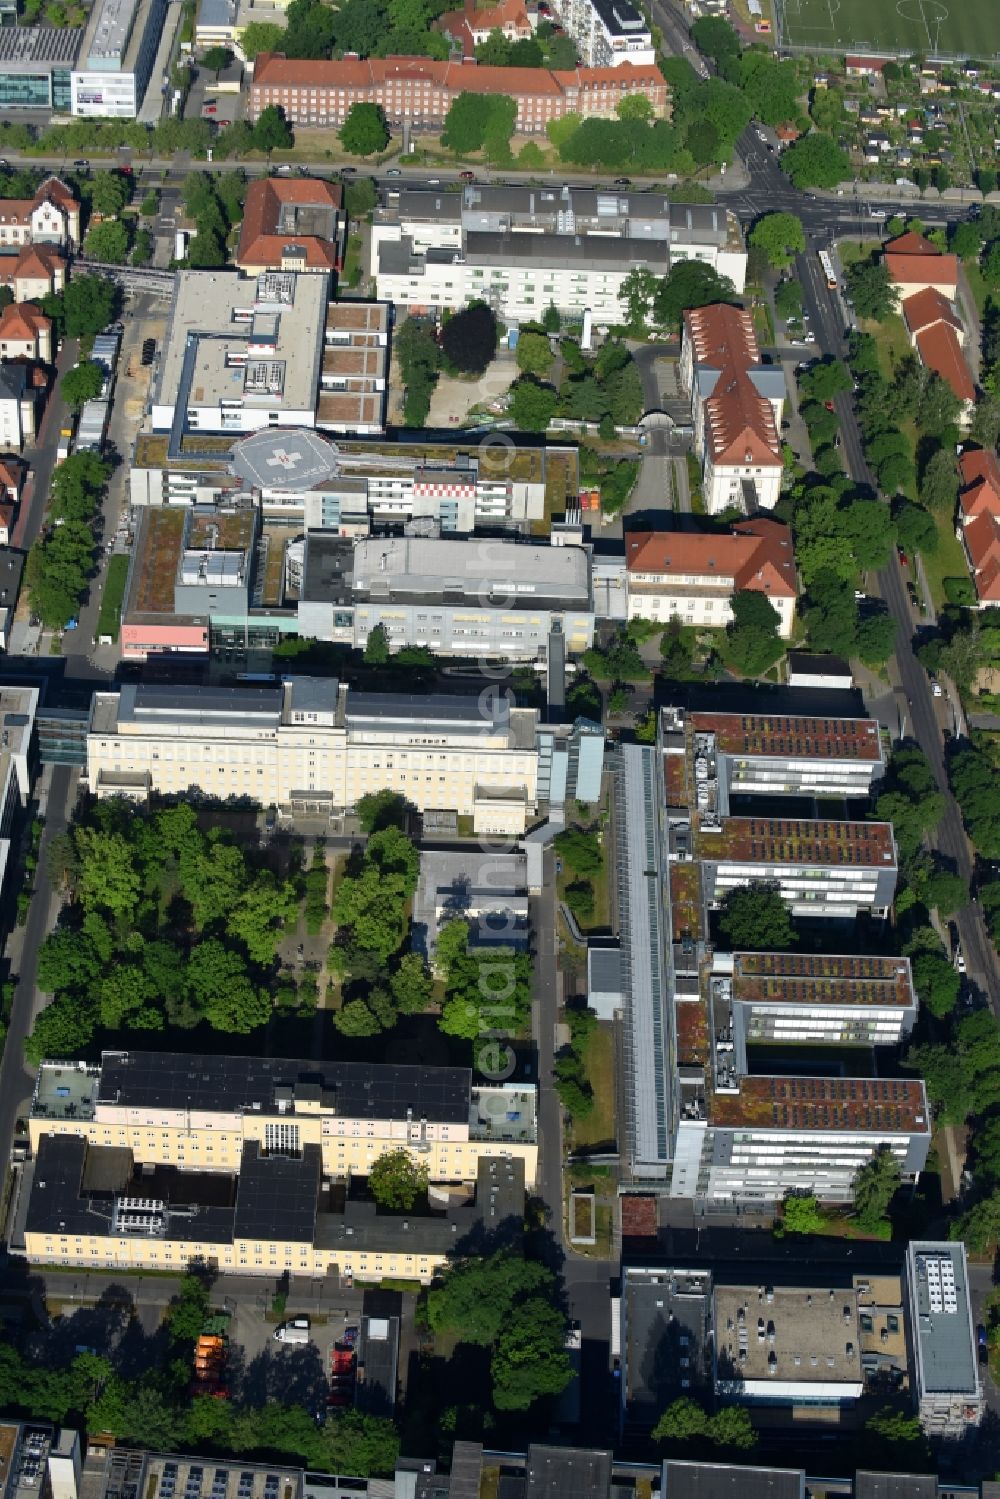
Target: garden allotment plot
<point>966,28</point>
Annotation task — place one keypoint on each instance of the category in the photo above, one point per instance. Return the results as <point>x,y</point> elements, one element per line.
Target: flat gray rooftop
<point>37,46</point>
<point>666,1338</point>
<point>289,459</point>
<point>706,1480</point>
<point>939,1290</point>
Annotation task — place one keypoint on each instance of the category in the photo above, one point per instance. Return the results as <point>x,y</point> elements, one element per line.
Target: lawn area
<point>597,1053</point>
<point>947,562</point>
<point>892,340</point>
<point>978,285</point>
<point>602,914</point>
<point>351,274</point>
<point>891,29</point>
<point>109,617</point>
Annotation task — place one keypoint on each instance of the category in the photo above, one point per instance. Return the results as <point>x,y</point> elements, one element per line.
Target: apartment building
<point>607,32</point>
<point>314,745</point>
<point>736,406</point>
<point>351,487</point>
<point>949,1391</point>
<point>116,58</point>
<point>794,999</point>
<point>292,224</point>
<point>170,1109</point>
<point>25,333</point>
<point>464,597</point>
<point>521,249</point>
<point>470,27</point>
<point>419,91</point>
<point>978,526</point>
<point>51,217</point>
<point>691,578</point>
<point>36,66</point>
<point>96,1207</point>
<point>767,754</point>
<point>240,354</point>
<point>704,1121</point>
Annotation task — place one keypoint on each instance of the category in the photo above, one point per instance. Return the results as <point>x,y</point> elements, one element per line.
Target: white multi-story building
<point>116,58</point>
<point>736,406</point>
<point>607,32</point>
<point>241,354</point>
<point>949,1390</point>
<point>458,597</point>
<point>521,249</point>
<point>703,1122</point>
<point>313,745</point>
<point>692,577</point>
<point>171,1109</point>
<point>769,754</point>
<point>349,487</point>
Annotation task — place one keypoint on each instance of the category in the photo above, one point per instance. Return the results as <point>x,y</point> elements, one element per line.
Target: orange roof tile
<point>23,320</point>
<point>941,352</point>
<point>911,244</point>
<point>980,473</point>
<point>274,70</point>
<point>58,191</point>
<point>721,334</point>
<point>261,243</point>
<point>6,517</point>
<point>38,260</point>
<point>757,555</point>
<point>927,307</point>
<point>982,539</point>
<point>932,270</point>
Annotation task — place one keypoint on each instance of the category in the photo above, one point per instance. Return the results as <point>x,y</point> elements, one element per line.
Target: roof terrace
<point>784,735</point>
<point>820,979</point>
<point>845,1105</point>
<point>65,1090</point>
<point>796,841</point>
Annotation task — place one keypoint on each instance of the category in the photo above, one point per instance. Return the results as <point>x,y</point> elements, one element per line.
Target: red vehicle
<point>342,1375</point>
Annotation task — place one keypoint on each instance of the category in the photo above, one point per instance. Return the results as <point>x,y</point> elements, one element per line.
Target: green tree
<point>271,131</point>
<point>754,918</point>
<point>262,915</point>
<point>411,985</point>
<point>875,1185</point>
<point>82,383</point>
<point>64,1028</point>
<point>780,236</point>
<point>107,877</point>
<point>360,196</point>
<point>936,983</point>
<point>469,339</point>
<point>382,809</point>
<point>215,59</point>
<point>222,990</point>
<point>815,160</point>
<point>939,485</point>
<point>731,1426</point>
<point>67,960</point>
<point>396,1181</point>
<point>800,1214</point>
<point>579,851</point>
<point>474,1297</point>
<point>107,242</point>
<point>915,528</point>
<point>753,643</point>
<point>109,193</point>
<point>684,1420</point>
<point>530,1358</point>
<point>364,132</point>
<point>188,1310</point>
<point>870,289</point>
<point>377,651</point>
<point>532,405</point>
<point>534,355</point>
<point>690,283</point>
<point>716,38</point>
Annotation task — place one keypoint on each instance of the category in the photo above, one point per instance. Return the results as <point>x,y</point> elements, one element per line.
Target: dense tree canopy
<point>754,918</point>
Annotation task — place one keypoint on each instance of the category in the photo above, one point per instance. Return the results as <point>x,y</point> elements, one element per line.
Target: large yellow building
<point>99,1207</point>
<point>312,745</point>
<point>201,1113</point>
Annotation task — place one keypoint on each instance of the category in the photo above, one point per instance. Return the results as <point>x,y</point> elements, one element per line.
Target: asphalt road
<point>16,1082</point>
<point>921,721</point>
<point>42,457</point>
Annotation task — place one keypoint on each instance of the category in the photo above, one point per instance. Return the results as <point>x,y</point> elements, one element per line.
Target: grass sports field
<point>968,28</point>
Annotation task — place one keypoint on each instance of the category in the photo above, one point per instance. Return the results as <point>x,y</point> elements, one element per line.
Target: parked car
<point>351,1335</point>
<point>983,1344</point>
<point>467,176</point>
